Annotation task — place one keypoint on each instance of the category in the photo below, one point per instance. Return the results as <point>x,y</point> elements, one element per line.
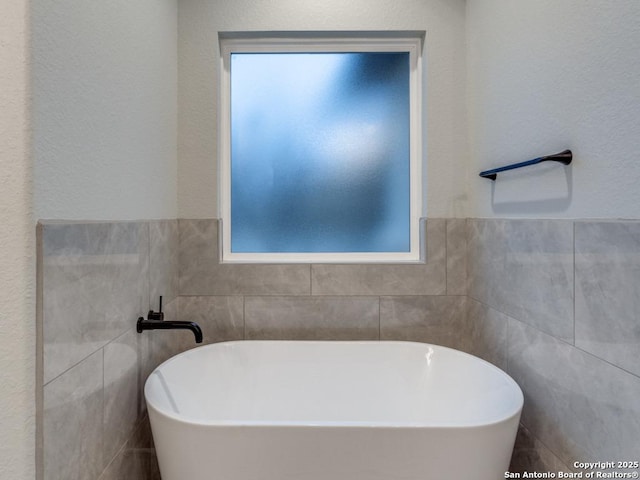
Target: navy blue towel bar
<point>563,157</point>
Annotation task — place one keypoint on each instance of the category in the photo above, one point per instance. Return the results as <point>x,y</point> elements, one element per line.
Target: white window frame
<point>410,42</point>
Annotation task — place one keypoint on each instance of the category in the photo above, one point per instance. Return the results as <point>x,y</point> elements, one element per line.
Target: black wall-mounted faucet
<point>156,321</point>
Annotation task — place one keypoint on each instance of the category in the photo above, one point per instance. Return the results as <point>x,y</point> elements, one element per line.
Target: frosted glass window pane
<point>320,152</point>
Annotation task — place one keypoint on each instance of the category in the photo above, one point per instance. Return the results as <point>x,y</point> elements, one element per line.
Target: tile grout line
<point>446,256</point>
<point>122,448</point>
<point>586,352</point>
<point>244,318</point>
<point>544,444</point>
<point>102,426</point>
<point>379,319</point>
<point>593,355</point>
<point>574,284</point>
<point>83,359</point>
<point>148,290</point>
<point>507,355</point>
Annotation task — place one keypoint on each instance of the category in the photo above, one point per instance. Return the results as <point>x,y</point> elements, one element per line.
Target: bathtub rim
<point>310,424</point>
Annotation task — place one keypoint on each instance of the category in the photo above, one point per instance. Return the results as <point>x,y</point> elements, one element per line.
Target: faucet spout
<point>152,324</point>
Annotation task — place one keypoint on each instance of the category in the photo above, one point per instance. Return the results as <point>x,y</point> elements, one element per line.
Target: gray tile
<point>121,391</point>
<point>197,256</point>
<point>608,291</point>
<point>156,346</point>
<point>579,406</point>
<point>312,318</point>
<point>136,460</point>
<point>221,318</point>
<point>524,268</point>
<point>389,279</point>
<point>132,463</point>
<point>530,455</point>
<point>146,365</point>
<point>201,272</point>
<point>487,334</point>
<point>72,424</point>
<point>142,436</point>
<point>95,284</point>
<point>457,256</point>
<point>440,320</point>
<point>163,261</point>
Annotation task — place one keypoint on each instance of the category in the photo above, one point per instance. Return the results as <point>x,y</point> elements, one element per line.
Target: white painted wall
<point>199,22</point>
<point>545,75</point>
<point>17,251</point>
<point>105,109</point>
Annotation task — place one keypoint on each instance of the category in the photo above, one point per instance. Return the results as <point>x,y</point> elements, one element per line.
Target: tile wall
<point>553,302</point>
<point>562,302</point>
<point>95,280</point>
<point>421,302</point>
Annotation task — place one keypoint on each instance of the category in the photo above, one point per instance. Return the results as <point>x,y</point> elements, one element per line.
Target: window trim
<point>256,42</point>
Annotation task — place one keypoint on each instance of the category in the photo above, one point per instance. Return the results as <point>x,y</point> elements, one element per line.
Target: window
<point>320,154</point>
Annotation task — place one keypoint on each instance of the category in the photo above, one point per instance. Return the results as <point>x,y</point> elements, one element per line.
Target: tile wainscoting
<point>94,280</point>
<point>326,301</point>
<point>562,297</point>
<point>553,302</point>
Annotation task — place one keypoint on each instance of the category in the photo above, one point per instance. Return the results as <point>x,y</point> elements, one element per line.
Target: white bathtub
<point>279,410</point>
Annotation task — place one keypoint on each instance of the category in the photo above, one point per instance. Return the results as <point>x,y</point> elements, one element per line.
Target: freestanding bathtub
<point>298,410</point>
